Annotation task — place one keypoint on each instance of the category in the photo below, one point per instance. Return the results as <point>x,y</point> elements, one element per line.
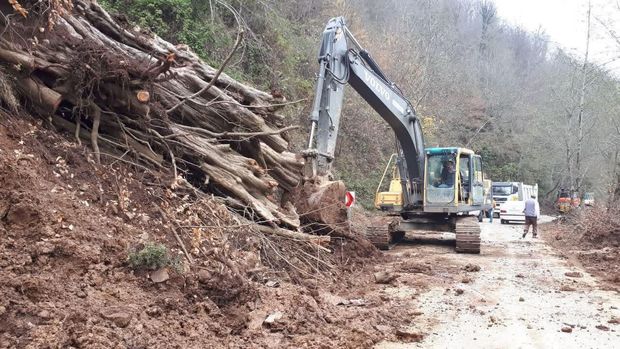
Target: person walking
<point>532,211</point>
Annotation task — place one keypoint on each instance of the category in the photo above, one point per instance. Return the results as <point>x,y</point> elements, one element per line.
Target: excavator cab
<point>454,180</point>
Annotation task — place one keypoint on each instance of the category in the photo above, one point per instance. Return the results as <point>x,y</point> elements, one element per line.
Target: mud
<point>68,225</point>
<point>520,298</point>
<point>590,237</point>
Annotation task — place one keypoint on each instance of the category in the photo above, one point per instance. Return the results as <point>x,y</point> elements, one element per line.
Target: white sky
<point>564,21</point>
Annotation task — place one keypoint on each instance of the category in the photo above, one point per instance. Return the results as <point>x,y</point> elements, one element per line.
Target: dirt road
<point>521,298</point>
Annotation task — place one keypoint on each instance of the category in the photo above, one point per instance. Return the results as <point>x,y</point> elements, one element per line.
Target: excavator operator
<point>447,174</point>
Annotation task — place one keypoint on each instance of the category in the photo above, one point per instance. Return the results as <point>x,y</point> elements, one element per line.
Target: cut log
<point>45,100</point>
<point>128,92</point>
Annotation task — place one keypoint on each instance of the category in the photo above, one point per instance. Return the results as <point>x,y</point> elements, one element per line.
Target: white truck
<point>511,191</point>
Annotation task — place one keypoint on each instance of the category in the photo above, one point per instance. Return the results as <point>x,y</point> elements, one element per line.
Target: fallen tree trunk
<point>137,95</point>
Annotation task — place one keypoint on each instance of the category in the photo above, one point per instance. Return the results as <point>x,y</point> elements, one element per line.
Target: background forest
<point>535,112</point>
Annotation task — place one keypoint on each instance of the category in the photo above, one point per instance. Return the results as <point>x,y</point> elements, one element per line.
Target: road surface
<point>521,298</point>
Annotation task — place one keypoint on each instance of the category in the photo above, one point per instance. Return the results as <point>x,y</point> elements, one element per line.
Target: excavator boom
<point>341,64</point>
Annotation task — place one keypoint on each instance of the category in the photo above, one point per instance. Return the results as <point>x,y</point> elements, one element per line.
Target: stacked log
<point>131,94</point>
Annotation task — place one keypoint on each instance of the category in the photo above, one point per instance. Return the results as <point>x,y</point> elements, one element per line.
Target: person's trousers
<point>533,221</point>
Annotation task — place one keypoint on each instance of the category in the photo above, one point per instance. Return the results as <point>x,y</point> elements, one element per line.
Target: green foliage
<point>270,56</point>
<point>498,166</point>
<point>152,256</point>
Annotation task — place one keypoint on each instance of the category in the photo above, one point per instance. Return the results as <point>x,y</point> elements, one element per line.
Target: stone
<point>153,311</point>
<point>573,274</point>
<point>120,316</point>
<point>383,329</point>
<point>204,276</point>
<point>472,267</point>
<point>160,275</point>
<point>384,277</point>
<point>409,334</point>
<point>567,329</point>
<point>44,314</point>
<point>273,317</point>
<point>272,283</point>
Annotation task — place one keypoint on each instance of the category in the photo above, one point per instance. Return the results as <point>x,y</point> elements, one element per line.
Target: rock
<point>567,288</point>
<point>573,274</point>
<point>44,247</point>
<point>383,329</point>
<point>2,310</point>
<point>256,319</point>
<point>520,275</point>
<point>274,321</point>
<point>602,327</point>
<point>567,329</point>
<point>521,299</point>
<point>44,314</point>
<point>459,291</point>
<point>204,276</point>
<point>118,315</point>
<point>466,280</point>
<point>613,320</point>
<point>384,277</point>
<point>472,267</point>
<point>408,334</point>
<point>272,283</point>
<point>354,302</point>
<point>153,311</point>
<point>273,317</point>
<point>160,275</point>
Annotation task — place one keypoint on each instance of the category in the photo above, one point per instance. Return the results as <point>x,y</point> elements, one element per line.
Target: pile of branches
<point>136,98</point>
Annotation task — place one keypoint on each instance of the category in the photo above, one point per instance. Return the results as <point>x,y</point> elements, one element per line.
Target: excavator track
<point>382,237</point>
<point>467,235</point>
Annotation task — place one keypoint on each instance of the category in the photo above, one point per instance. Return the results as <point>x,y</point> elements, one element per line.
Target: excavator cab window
<point>465,178</point>
<point>441,171</point>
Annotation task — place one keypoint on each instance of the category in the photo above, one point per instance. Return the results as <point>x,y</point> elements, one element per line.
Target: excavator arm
<point>343,61</point>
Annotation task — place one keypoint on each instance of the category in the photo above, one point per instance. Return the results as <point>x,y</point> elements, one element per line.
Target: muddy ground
<point>590,236</point>
<point>67,227</point>
<point>526,295</point>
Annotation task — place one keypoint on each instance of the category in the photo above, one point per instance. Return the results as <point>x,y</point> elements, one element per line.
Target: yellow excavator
<point>441,189</point>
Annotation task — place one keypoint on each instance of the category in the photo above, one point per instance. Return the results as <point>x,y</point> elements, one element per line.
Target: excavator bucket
<point>322,201</point>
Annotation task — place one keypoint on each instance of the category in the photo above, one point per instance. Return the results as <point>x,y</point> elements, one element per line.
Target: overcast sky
<point>564,21</point>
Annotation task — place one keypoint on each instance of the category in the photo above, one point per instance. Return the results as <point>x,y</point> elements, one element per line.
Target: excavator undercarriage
<point>466,229</point>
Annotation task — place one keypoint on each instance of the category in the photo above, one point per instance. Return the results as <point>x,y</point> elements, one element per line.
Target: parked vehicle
<point>567,200</point>
<point>511,191</point>
<point>588,199</point>
<point>512,211</point>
